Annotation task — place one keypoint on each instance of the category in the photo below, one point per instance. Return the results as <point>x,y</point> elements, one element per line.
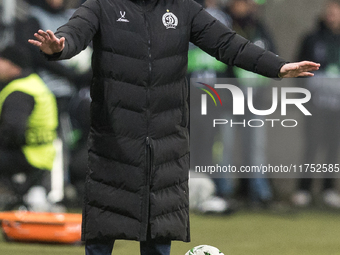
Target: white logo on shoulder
<point>170,20</point>
<point>122,17</point>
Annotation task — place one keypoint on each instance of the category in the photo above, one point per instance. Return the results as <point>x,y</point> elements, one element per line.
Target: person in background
<point>65,79</point>
<point>28,123</point>
<point>257,191</point>
<point>205,67</point>
<point>321,129</point>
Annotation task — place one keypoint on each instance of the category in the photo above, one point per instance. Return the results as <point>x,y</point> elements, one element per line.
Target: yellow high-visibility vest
<point>42,123</point>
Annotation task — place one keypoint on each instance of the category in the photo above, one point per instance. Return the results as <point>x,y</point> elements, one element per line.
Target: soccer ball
<point>204,250</point>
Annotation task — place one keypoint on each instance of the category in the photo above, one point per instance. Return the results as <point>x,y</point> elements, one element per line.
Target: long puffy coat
<point>138,145</point>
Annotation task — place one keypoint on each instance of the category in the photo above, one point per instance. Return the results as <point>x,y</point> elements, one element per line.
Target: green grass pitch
<point>254,233</point>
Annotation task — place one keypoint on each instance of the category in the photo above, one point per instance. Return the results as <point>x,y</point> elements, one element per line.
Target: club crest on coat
<point>170,20</point>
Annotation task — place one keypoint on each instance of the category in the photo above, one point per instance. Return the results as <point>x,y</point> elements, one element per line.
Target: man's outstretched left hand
<point>298,69</point>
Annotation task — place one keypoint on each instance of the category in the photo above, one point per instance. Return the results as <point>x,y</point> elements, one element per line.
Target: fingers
<point>309,69</point>
<point>304,65</point>
<point>47,36</point>
<point>39,37</point>
<point>34,42</point>
<point>306,74</point>
<point>54,39</point>
<point>62,42</point>
<point>308,66</point>
<point>306,71</point>
<point>51,35</point>
<point>42,34</point>
<point>309,63</point>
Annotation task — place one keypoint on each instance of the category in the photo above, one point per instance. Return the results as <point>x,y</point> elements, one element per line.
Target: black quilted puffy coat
<point>137,181</point>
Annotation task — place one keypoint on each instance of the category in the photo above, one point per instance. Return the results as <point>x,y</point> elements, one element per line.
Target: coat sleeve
<point>79,30</point>
<point>232,49</point>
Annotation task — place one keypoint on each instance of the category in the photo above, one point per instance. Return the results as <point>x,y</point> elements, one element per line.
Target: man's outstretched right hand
<point>48,42</point>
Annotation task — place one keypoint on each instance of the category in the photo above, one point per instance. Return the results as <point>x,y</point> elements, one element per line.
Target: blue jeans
<point>150,247</point>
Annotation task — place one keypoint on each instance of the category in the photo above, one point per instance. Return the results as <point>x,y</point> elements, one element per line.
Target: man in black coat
<point>137,181</point>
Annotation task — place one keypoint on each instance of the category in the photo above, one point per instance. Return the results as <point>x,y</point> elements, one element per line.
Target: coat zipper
<point>146,199</point>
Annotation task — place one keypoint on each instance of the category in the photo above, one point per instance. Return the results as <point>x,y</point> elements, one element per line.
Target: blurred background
<point>294,29</point>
